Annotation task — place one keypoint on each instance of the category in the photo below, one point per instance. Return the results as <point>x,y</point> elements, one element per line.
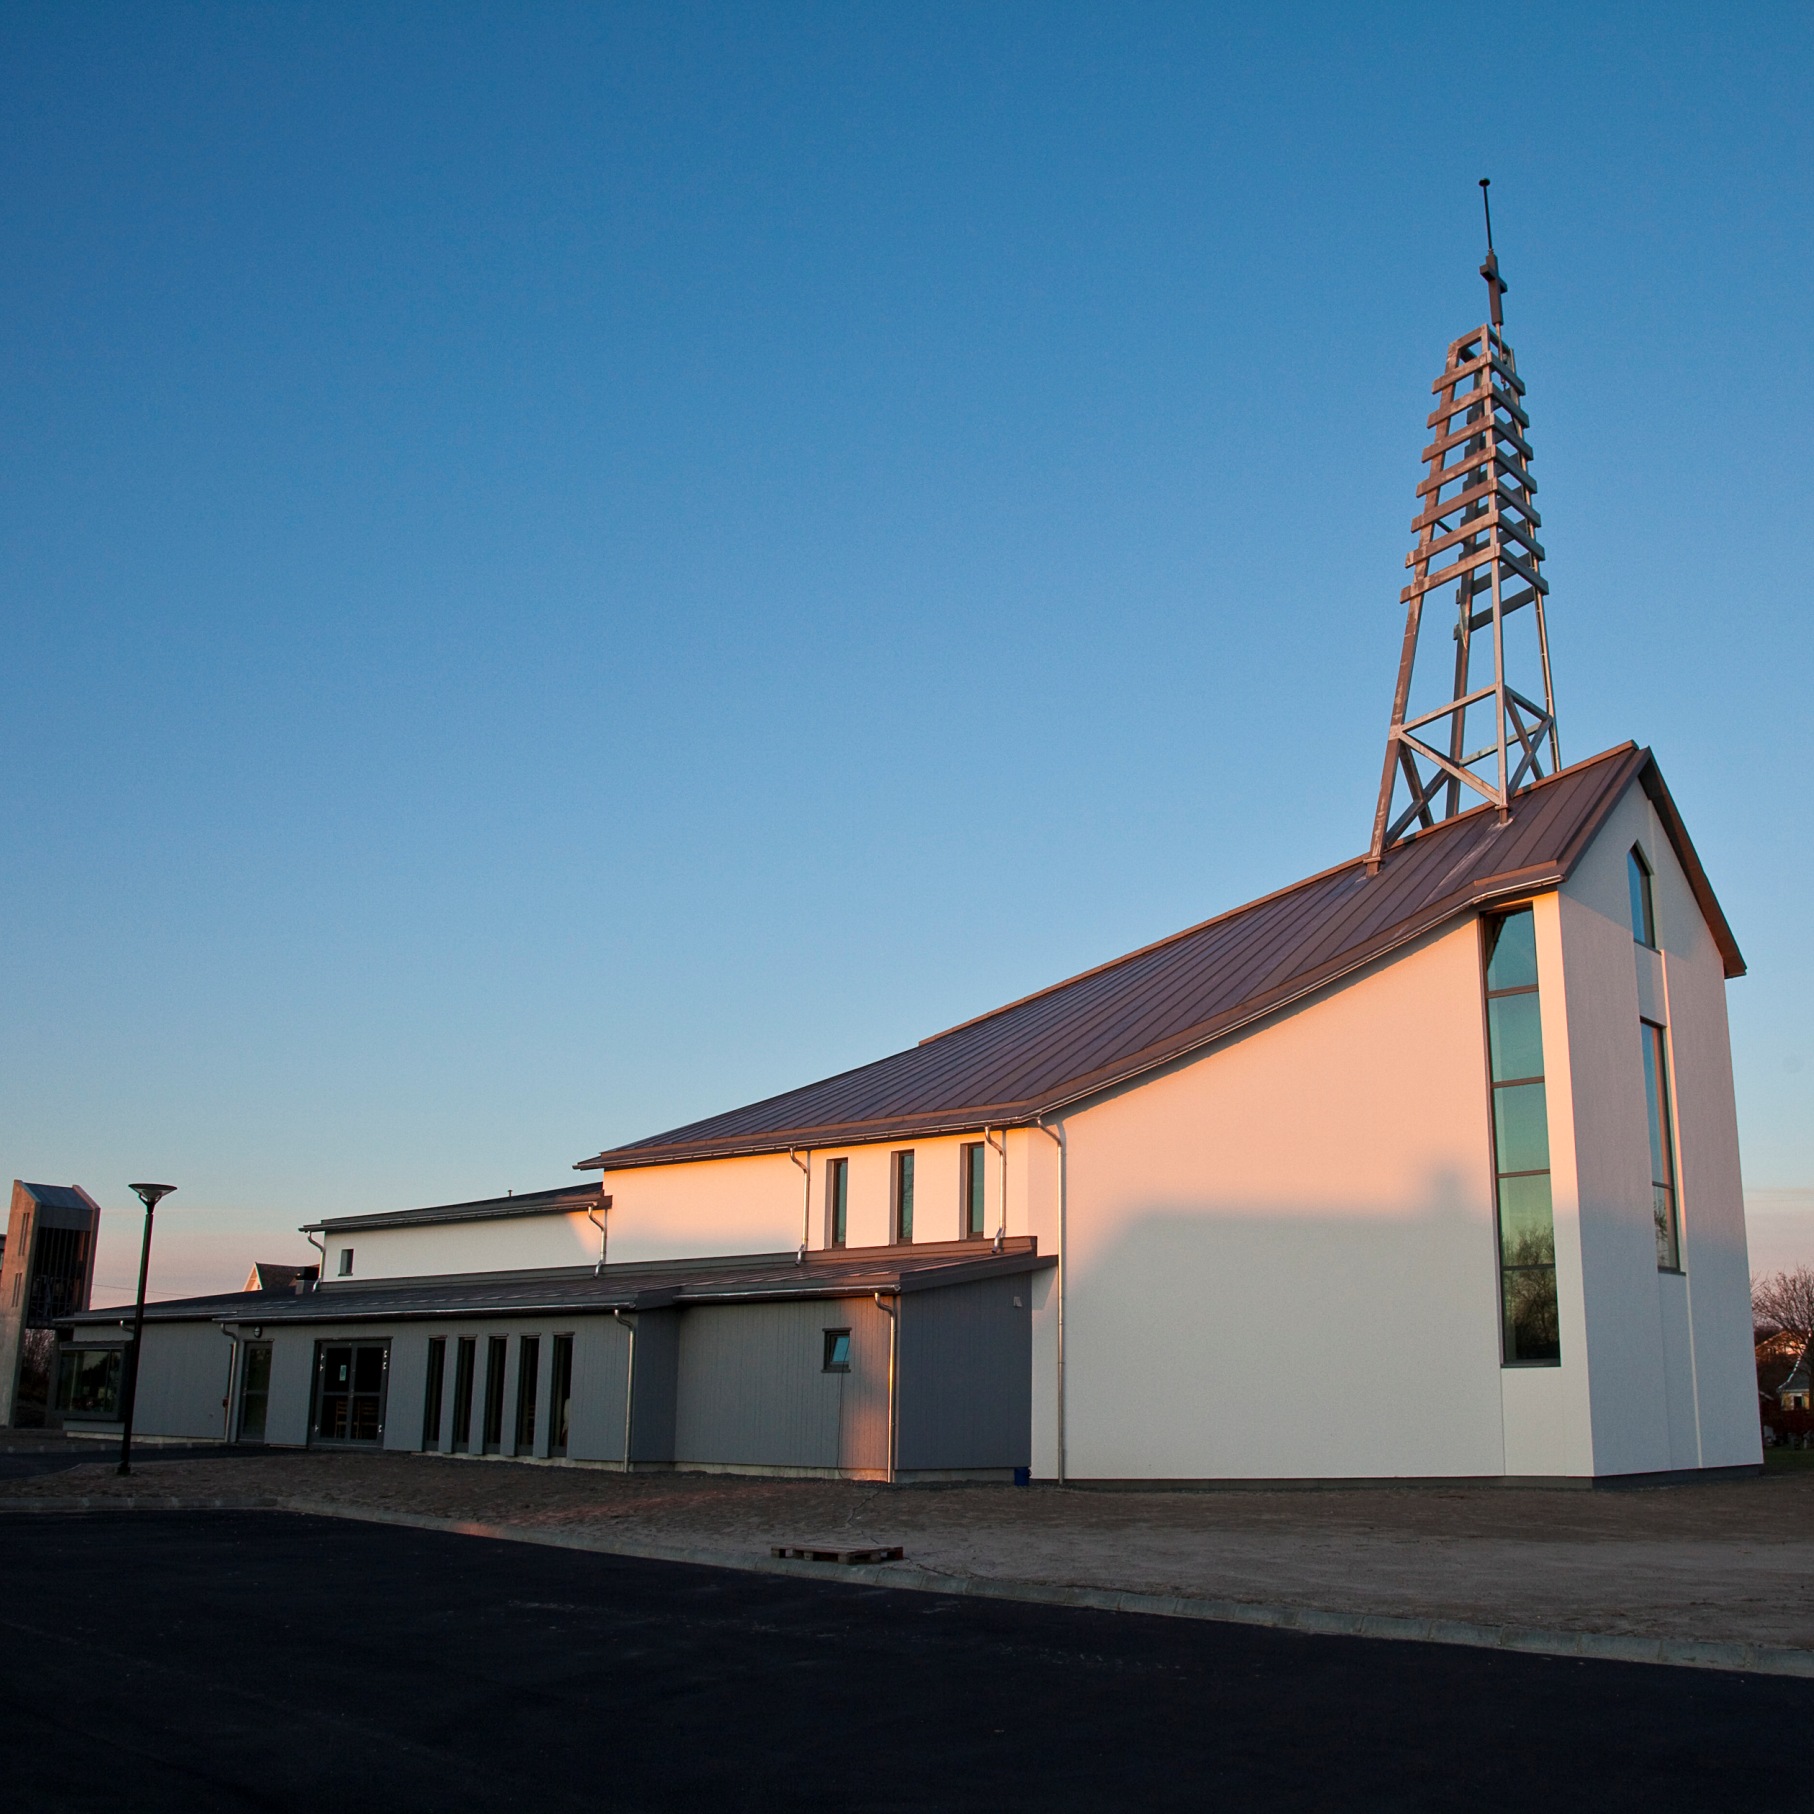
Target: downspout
<point>597,1221</point>
<point>1001,1146</point>
<point>629,1323</point>
<point>893,1314</point>
<point>321,1247</point>
<point>1064,1153</point>
<point>806,1208</point>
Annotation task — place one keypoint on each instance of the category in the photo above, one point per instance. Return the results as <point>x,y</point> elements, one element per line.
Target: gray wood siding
<point>966,1364</point>
<point>752,1389</point>
<point>182,1381</point>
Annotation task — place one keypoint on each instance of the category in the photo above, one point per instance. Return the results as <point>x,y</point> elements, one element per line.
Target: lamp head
<point>151,1194</point>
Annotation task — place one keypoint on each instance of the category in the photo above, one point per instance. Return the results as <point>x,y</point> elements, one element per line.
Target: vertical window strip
<point>529,1355</point>
<point>560,1397</point>
<point>975,1185</point>
<point>1643,899</point>
<point>837,1201</point>
<point>903,1196</point>
<point>464,1358</point>
<point>1531,1334</point>
<point>1662,1147</point>
<point>431,1397</point>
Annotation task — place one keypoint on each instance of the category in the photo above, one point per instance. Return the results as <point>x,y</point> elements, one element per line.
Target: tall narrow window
<point>560,1394</point>
<point>975,1179</point>
<point>497,1353</point>
<point>837,1202</point>
<point>346,1262</point>
<point>431,1394</point>
<point>1643,903</point>
<point>528,1377</point>
<point>903,1197</point>
<point>464,1357</point>
<point>1662,1147</point>
<point>254,1392</point>
<point>1527,1233</point>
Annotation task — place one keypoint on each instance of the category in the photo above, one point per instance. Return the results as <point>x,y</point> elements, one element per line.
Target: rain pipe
<point>806,1208</point>
<point>1064,1153</point>
<point>226,1404</point>
<point>1001,1146</point>
<point>893,1313</point>
<point>321,1247</point>
<point>629,1324</point>
<point>598,1222</point>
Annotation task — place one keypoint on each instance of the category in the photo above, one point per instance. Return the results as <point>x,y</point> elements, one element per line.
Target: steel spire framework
<point>1476,529</point>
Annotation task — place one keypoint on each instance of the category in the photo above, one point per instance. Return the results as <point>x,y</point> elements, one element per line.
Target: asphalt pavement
<point>261,1660</point>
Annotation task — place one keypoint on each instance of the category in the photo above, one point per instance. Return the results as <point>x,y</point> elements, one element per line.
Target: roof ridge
<point>1418,840</point>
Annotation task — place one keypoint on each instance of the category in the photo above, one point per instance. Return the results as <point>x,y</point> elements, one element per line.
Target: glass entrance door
<point>254,1391</point>
<point>349,1390</point>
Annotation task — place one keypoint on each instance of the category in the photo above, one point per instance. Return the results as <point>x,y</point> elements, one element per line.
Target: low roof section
<point>1109,1025</point>
<point>568,1200</point>
<point>563,1291</point>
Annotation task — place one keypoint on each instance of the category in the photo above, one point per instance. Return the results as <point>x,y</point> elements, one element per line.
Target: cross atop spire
<point>1476,529</point>
<point>1496,286</point>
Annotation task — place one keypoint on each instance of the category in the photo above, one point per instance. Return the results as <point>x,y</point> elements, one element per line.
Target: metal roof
<point>1077,1038</point>
<point>570,1199</point>
<point>58,1196</point>
<point>726,1279</point>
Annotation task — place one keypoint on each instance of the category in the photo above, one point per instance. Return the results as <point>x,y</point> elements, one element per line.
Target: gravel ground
<point>1731,1560</point>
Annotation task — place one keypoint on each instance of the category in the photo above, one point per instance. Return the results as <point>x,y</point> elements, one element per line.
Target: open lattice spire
<point>1476,529</point>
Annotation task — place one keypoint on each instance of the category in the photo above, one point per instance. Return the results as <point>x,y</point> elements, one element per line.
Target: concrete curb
<point>1596,1646</point>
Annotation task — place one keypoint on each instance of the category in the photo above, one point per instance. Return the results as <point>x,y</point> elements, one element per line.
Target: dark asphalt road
<point>155,1661</point>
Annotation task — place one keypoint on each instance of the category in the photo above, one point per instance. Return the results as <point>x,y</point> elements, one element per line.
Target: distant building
<point>266,1276</point>
<point>46,1272</point>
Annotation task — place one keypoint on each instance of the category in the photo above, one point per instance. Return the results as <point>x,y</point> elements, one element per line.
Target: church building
<point>1422,1168</point>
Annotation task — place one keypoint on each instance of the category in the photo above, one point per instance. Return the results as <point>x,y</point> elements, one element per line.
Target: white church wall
<point>1672,1378</point>
<point>1281,1259</point>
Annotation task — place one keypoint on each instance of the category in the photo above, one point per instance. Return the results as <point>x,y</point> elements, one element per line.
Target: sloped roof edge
<point>1619,767</point>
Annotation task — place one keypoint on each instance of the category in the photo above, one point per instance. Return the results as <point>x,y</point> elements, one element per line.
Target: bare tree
<point>1785,1300</point>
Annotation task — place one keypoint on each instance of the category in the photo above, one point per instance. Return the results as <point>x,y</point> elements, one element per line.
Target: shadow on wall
<point>1220,1340</point>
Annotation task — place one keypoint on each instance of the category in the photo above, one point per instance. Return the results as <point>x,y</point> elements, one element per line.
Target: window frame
<point>434,1393</point>
<point>528,1385</point>
<point>830,1363</point>
<point>900,1197</point>
<point>1660,1138</point>
<point>491,1405</point>
<point>317,1393</point>
<point>1639,879</point>
<point>560,1395</point>
<point>466,1370</point>
<point>1489,925</point>
<point>345,1264</point>
<point>973,1190</point>
<point>837,1202</point>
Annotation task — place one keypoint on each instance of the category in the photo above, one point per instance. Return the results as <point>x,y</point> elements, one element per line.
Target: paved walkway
<point>1729,1563</point>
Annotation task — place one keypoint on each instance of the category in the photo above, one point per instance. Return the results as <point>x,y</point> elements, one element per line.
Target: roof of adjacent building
<point>58,1196</point>
<point>724,1279</point>
<point>570,1199</point>
<point>1109,1025</point>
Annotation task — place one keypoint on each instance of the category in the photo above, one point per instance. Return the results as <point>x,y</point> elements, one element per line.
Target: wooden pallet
<point>794,1552</point>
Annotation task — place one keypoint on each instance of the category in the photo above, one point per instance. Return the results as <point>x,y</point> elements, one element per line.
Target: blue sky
<point>566,567</point>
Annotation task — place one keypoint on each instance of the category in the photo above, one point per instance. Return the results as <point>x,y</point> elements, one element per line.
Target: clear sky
<point>566,567</point>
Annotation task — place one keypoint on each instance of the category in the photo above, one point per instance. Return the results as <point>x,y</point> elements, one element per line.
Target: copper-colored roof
<point>1037,1055</point>
<point>839,1272</point>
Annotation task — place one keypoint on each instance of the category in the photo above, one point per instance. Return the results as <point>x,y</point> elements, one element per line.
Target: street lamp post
<point>150,1195</point>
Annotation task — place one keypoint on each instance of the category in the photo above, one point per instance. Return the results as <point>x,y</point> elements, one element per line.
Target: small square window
<point>837,1350</point>
<point>346,1262</point>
